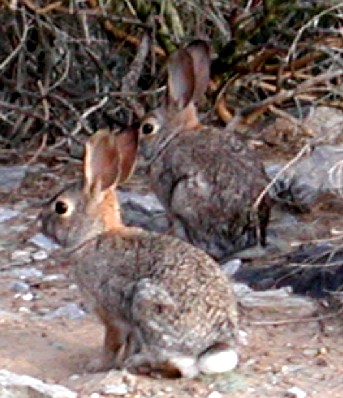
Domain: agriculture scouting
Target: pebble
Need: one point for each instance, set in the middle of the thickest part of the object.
(40, 255)
(54, 278)
(115, 389)
(14, 385)
(43, 242)
(296, 392)
(21, 256)
(215, 394)
(70, 311)
(19, 287)
(11, 177)
(28, 296)
(231, 266)
(311, 352)
(24, 310)
(7, 214)
(95, 395)
(25, 273)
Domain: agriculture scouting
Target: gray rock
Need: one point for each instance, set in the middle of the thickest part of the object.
(315, 176)
(148, 202)
(13, 385)
(143, 211)
(19, 287)
(232, 266)
(115, 389)
(11, 177)
(21, 256)
(7, 214)
(70, 311)
(40, 255)
(43, 242)
(296, 392)
(24, 273)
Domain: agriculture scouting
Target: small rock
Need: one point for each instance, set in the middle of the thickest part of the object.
(21, 256)
(215, 394)
(28, 296)
(13, 385)
(19, 287)
(40, 255)
(95, 395)
(311, 352)
(231, 266)
(24, 310)
(11, 177)
(115, 389)
(24, 273)
(148, 202)
(7, 214)
(54, 277)
(43, 242)
(296, 392)
(70, 311)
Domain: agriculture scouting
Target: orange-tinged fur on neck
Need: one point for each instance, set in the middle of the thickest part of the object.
(109, 210)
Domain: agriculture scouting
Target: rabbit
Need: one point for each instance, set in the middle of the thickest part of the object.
(207, 179)
(167, 307)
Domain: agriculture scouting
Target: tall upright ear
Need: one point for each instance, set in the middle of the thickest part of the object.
(200, 51)
(101, 161)
(181, 80)
(127, 145)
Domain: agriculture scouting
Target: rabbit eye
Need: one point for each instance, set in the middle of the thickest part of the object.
(149, 127)
(61, 207)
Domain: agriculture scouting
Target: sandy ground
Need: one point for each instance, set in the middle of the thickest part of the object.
(301, 348)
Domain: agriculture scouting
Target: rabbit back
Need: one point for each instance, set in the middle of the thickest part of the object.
(209, 183)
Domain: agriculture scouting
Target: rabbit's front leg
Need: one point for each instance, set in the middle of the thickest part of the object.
(119, 343)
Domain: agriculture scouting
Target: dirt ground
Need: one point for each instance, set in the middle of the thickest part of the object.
(293, 353)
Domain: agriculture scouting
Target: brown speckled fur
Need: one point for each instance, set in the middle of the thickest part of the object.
(158, 297)
(207, 178)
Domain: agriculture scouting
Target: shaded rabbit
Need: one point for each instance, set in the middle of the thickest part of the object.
(166, 306)
(206, 177)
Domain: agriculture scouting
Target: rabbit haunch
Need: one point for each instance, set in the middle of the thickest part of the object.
(207, 178)
(166, 306)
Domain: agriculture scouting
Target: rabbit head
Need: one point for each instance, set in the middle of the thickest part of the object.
(87, 209)
(188, 78)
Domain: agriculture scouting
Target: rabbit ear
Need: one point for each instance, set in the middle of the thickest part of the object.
(181, 81)
(127, 144)
(199, 50)
(101, 161)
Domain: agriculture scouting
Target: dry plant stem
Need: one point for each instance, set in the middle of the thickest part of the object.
(306, 26)
(257, 109)
(42, 10)
(16, 51)
(39, 151)
(298, 123)
(45, 102)
(303, 150)
(85, 114)
(296, 320)
(121, 35)
(130, 80)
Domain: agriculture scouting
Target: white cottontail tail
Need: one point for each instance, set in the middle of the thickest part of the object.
(205, 177)
(166, 305)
